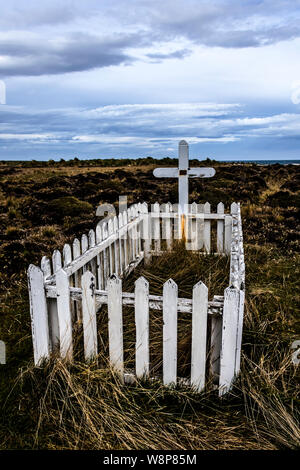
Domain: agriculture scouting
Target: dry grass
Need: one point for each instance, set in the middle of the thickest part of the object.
(84, 406)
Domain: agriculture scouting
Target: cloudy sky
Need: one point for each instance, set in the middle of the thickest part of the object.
(116, 78)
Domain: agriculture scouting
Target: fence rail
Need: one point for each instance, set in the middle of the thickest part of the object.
(74, 285)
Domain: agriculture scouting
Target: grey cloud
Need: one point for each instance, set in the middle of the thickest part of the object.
(179, 54)
(75, 52)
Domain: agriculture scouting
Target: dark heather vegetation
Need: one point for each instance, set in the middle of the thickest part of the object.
(46, 204)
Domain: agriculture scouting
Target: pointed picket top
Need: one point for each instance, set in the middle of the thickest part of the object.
(56, 261)
(46, 266)
(67, 254)
(76, 248)
(234, 208)
(220, 208)
(84, 243)
(129, 215)
(207, 208)
(39, 314)
(98, 232)
(92, 238)
(156, 207)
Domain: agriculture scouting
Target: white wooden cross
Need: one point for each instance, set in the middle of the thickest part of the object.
(183, 173)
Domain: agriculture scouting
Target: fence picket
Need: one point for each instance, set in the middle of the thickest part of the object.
(239, 332)
(220, 229)
(64, 314)
(67, 254)
(46, 266)
(229, 330)
(56, 261)
(207, 228)
(199, 329)
(227, 233)
(105, 257)
(100, 276)
(156, 228)
(39, 315)
(170, 296)
(89, 316)
(116, 247)
(142, 326)
(115, 323)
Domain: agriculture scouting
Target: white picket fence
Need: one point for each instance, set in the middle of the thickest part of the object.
(74, 286)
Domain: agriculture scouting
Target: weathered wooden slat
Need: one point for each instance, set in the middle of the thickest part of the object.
(199, 331)
(115, 323)
(227, 233)
(239, 332)
(46, 266)
(156, 228)
(67, 254)
(84, 249)
(142, 354)
(170, 295)
(39, 315)
(220, 229)
(64, 314)
(56, 261)
(229, 336)
(89, 316)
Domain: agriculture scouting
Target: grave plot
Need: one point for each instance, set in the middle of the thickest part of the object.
(72, 292)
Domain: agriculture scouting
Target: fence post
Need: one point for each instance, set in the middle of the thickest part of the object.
(115, 323)
(229, 339)
(51, 308)
(89, 322)
(199, 329)
(170, 296)
(64, 314)
(142, 326)
(38, 313)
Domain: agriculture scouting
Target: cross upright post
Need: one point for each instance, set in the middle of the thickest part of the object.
(183, 173)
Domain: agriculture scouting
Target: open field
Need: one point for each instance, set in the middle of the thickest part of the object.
(43, 206)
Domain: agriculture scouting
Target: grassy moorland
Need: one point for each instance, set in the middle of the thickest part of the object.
(43, 206)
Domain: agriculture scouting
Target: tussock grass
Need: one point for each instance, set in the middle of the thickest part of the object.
(84, 406)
